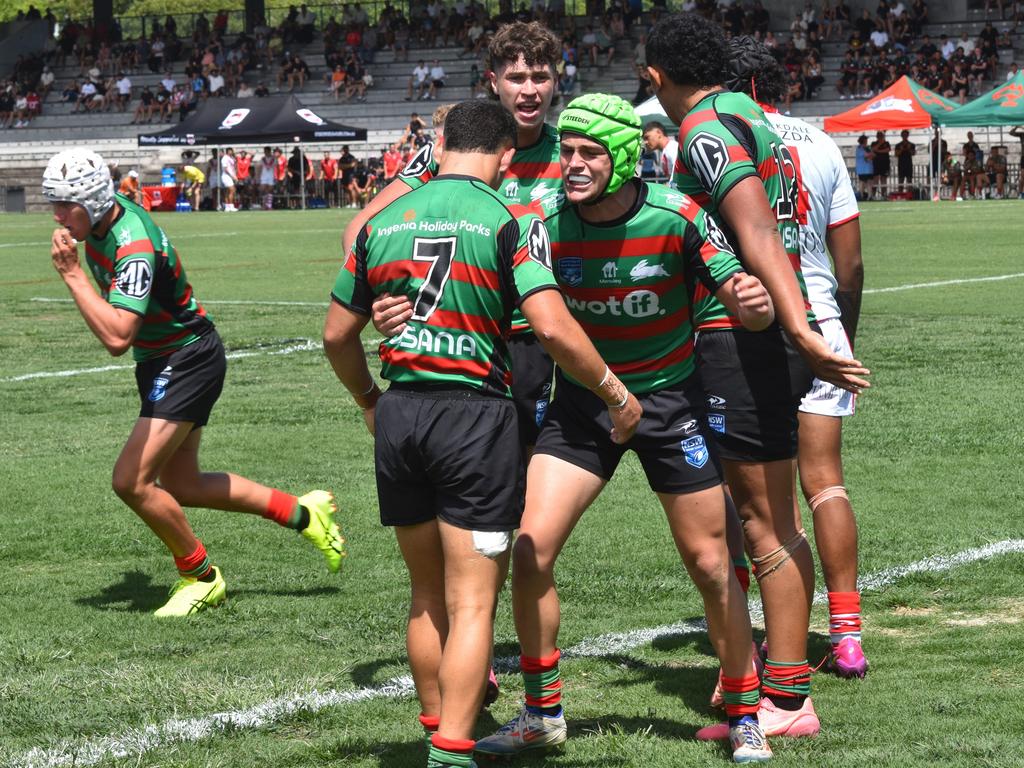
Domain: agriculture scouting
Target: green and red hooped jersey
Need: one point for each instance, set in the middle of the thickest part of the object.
(137, 269)
(454, 248)
(628, 282)
(533, 177)
(724, 139)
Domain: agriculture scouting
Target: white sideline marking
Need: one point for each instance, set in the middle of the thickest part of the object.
(303, 345)
(135, 742)
(245, 302)
(176, 237)
(912, 286)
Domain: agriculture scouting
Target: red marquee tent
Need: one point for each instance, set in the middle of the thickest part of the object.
(904, 104)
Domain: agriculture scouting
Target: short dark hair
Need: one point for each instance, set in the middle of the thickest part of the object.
(479, 126)
(532, 40)
(689, 49)
(755, 72)
(654, 125)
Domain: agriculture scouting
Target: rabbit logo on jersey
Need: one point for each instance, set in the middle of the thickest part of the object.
(160, 383)
(695, 450)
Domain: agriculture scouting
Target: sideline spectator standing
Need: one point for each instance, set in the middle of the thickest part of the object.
(905, 151)
(880, 151)
(864, 166)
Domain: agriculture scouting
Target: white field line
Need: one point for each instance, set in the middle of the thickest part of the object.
(301, 345)
(940, 283)
(246, 302)
(135, 742)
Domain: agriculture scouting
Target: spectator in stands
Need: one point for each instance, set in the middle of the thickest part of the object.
(145, 106)
(849, 76)
(245, 91)
(437, 79)
(664, 147)
(419, 80)
(879, 37)
(567, 79)
(157, 51)
(812, 73)
(45, 82)
(1012, 71)
(70, 93)
(977, 70)
(34, 103)
(162, 104)
(306, 23)
(299, 72)
(262, 91)
(356, 79)
(86, 97)
(959, 84)
(905, 150)
(880, 152)
(918, 16)
(336, 82)
(794, 88)
(216, 82)
(122, 92)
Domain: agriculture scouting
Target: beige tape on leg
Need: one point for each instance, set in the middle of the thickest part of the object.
(832, 492)
(765, 566)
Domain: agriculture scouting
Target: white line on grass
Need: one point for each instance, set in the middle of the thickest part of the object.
(292, 346)
(912, 286)
(176, 237)
(135, 742)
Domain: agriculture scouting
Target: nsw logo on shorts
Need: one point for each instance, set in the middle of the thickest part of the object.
(717, 422)
(159, 390)
(695, 450)
(541, 411)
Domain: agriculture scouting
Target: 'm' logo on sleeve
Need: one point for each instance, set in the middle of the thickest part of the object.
(135, 278)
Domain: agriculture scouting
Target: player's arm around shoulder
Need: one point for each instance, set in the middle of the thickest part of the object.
(115, 327)
(525, 244)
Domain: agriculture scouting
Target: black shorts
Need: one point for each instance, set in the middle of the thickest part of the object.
(184, 385)
(451, 454)
(671, 440)
(532, 368)
(906, 173)
(754, 382)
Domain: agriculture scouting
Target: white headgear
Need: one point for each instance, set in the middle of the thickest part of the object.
(79, 176)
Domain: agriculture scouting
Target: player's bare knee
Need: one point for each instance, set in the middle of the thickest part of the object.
(128, 486)
(708, 569)
(526, 559)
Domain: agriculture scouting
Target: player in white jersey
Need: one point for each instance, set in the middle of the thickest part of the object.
(829, 225)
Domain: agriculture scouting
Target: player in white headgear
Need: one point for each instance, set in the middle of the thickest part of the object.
(145, 303)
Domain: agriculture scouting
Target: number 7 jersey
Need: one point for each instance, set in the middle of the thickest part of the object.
(454, 248)
(723, 140)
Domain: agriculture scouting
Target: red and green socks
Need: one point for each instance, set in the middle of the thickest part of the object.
(843, 616)
(285, 510)
(741, 696)
(449, 753)
(196, 565)
(787, 683)
(543, 684)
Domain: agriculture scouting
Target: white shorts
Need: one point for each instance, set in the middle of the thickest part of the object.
(267, 178)
(827, 399)
(226, 181)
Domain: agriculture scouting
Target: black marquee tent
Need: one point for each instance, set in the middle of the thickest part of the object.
(273, 119)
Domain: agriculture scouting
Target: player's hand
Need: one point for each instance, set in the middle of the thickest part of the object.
(753, 304)
(625, 420)
(845, 372)
(369, 416)
(390, 314)
(64, 252)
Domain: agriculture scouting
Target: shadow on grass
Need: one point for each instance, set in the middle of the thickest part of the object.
(296, 592)
(134, 593)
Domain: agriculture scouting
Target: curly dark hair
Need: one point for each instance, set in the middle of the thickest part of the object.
(755, 71)
(690, 49)
(536, 43)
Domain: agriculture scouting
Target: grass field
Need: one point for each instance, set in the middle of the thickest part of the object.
(308, 662)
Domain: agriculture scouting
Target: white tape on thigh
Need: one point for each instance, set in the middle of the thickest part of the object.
(492, 543)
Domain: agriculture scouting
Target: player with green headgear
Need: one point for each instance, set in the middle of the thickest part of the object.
(629, 256)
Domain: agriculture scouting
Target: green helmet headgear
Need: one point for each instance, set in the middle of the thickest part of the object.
(612, 123)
